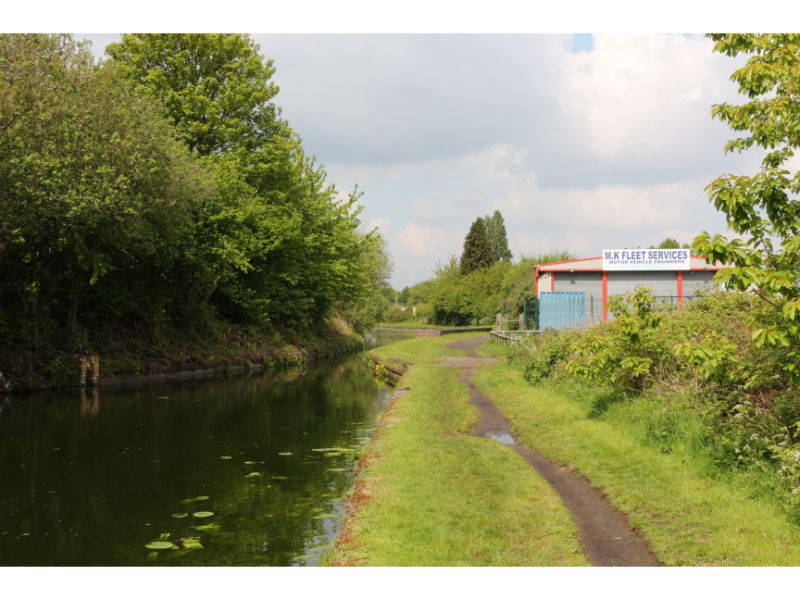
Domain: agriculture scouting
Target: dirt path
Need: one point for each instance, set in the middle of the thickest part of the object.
(605, 533)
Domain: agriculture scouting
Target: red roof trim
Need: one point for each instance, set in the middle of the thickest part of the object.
(563, 262)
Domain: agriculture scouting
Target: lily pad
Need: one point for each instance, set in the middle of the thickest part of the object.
(253, 474)
(331, 454)
(206, 527)
(284, 453)
(324, 449)
(161, 545)
(195, 499)
(280, 477)
(225, 457)
(249, 462)
(324, 516)
(203, 514)
(338, 470)
(191, 543)
(180, 515)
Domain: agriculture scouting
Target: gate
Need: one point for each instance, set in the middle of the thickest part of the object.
(530, 312)
(561, 310)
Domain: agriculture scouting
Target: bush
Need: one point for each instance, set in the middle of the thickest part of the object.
(395, 314)
(539, 354)
(694, 363)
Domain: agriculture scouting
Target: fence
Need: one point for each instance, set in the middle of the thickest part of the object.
(564, 310)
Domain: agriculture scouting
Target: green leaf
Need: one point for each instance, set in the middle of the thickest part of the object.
(161, 545)
(191, 543)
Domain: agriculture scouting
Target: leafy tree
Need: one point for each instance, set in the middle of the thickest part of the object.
(298, 256)
(668, 243)
(764, 206)
(216, 87)
(403, 297)
(496, 234)
(477, 253)
(96, 196)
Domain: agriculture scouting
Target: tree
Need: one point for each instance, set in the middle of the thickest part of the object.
(96, 195)
(216, 88)
(668, 243)
(477, 253)
(298, 255)
(496, 234)
(403, 297)
(763, 207)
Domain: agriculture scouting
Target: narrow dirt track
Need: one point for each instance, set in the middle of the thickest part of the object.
(606, 535)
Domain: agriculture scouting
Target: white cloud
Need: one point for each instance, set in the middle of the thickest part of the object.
(538, 219)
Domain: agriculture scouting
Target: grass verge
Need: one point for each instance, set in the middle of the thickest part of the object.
(690, 513)
(431, 494)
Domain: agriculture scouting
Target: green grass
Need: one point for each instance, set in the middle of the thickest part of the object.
(439, 496)
(690, 513)
(414, 324)
(410, 324)
(418, 350)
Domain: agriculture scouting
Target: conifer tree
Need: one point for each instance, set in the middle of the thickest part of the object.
(477, 253)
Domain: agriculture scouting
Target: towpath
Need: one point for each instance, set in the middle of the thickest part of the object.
(605, 534)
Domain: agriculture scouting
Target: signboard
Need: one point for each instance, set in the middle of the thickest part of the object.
(647, 259)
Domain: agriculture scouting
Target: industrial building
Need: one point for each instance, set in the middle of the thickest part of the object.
(576, 292)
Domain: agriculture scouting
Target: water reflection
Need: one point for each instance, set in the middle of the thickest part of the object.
(90, 407)
(91, 478)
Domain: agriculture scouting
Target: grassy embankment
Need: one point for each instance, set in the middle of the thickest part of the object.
(142, 353)
(431, 494)
(691, 512)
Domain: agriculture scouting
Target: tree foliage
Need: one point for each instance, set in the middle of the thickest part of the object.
(216, 87)
(477, 253)
(161, 187)
(97, 195)
(301, 256)
(763, 207)
(497, 236)
(475, 298)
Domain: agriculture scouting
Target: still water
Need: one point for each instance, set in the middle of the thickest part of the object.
(242, 471)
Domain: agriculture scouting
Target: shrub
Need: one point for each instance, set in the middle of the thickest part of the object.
(395, 314)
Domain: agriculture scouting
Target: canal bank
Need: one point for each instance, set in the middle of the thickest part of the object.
(125, 359)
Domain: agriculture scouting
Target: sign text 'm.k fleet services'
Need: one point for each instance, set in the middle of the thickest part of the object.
(647, 259)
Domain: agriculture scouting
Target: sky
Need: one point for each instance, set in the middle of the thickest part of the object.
(581, 141)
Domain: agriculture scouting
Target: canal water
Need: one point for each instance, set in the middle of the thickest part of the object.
(241, 471)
